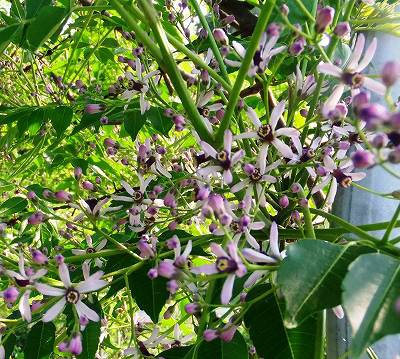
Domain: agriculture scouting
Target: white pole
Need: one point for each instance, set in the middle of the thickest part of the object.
(360, 207)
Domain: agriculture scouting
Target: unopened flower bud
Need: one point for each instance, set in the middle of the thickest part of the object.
(342, 29)
(220, 36)
(390, 73)
(324, 18)
(284, 201)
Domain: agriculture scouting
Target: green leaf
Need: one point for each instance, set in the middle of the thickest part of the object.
(33, 6)
(104, 55)
(370, 292)
(175, 353)
(160, 122)
(45, 24)
(235, 349)
(61, 118)
(110, 42)
(9, 345)
(133, 122)
(311, 276)
(274, 340)
(91, 335)
(150, 295)
(13, 205)
(7, 34)
(40, 341)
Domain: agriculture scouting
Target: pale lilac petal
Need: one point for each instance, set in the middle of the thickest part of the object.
(227, 175)
(368, 55)
(208, 149)
(122, 198)
(291, 132)
(274, 241)
(357, 176)
(251, 240)
(83, 310)
(63, 272)
(49, 290)
(321, 185)
(254, 277)
(187, 250)
(101, 245)
(329, 69)
(227, 288)
(283, 148)
(205, 171)
(276, 113)
(24, 306)
(357, 52)
(15, 275)
(217, 250)
(21, 264)
(338, 311)
(239, 186)
(333, 99)
(246, 135)
(237, 157)
(78, 252)
(272, 166)
(91, 284)
(268, 178)
(262, 157)
(374, 86)
(257, 257)
(253, 117)
(241, 51)
(205, 269)
(40, 273)
(128, 188)
(232, 63)
(228, 141)
(329, 163)
(257, 226)
(332, 192)
(205, 99)
(54, 311)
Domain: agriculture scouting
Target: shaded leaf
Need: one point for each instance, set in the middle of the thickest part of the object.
(160, 122)
(91, 334)
(235, 349)
(370, 291)
(61, 118)
(104, 55)
(133, 122)
(175, 353)
(13, 205)
(40, 341)
(274, 340)
(32, 7)
(311, 275)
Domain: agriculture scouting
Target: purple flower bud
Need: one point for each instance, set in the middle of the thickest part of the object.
(173, 242)
(83, 320)
(75, 345)
(295, 216)
(38, 257)
(373, 114)
(104, 120)
(10, 295)
(63, 347)
(220, 36)
(210, 334)
(227, 335)
(59, 258)
(145, 249)
(324, 18)
(168, 112)
(245, 220)
(303, 202)
(31, 195)
(172, 286)
(228, 20)
(172, 225)
(304, 112)
(109, 142)
(36, 218)
(192, 308)
(122, 59)
(344, 145)
(158, 189)
(97, 180)
(273, 29)
(216, 202)
(166, 269)
(77, 172)
(88, 185)
(342, 29)
(248, 168)
(47, 194)
(362, 159)
(36, 304)
(220, 114)
(94, 108)
(321, 171)
(296, 187)
(212, 227)
(225, 219)
(63, 196)
(161, 150)
(360, 100)
(284, 10)
(169, 200)
(390, 73)
(380, 140)
(297, 47)
(203, 193)
(152, 273)
(284, 201)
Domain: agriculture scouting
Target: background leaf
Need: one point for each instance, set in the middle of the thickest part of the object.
(310, 285)
(40, 341)
(235, 349)
(371, 289)
(272, 339)
(13, 205)
(61, 118)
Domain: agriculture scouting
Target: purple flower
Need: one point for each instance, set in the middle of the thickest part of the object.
(10, 295)
(38, 257)
(297, 47)
(71, 294)
(225, 159)
(91, 249)
(36, 218)
(391, 73)
(220, 36)
(324, 18)
(227, 262)
(211, 334)
(342, 29)
(351, 75)
(63, 196)
(362, 159)
(94, 108)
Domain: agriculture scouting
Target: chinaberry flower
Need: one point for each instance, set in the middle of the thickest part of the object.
(140, 85)
(339, 175)
(91, 249)
(267, 134)
(227, 262)
(71, 294)
(98, 211)
(350, 75)
(263, 55)
(171, 268)
(225, 159)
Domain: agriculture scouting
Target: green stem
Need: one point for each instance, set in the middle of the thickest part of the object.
(251, 50)
(214, 46)
(391, 225)
(174, 73)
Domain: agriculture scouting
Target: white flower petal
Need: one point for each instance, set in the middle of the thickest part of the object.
(54, 311)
